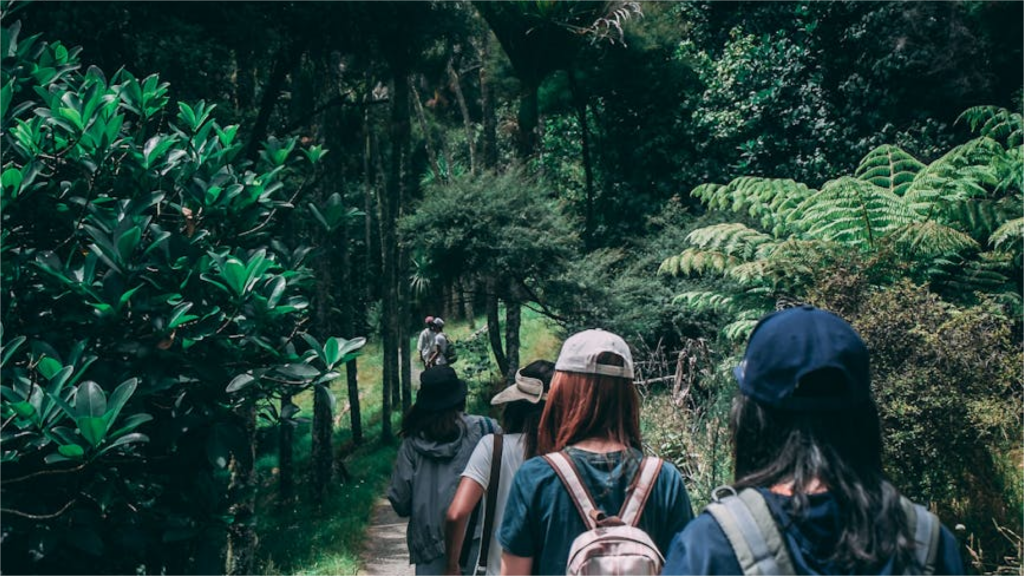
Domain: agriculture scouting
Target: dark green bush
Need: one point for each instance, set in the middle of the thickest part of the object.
(148, 312)
(947, 381)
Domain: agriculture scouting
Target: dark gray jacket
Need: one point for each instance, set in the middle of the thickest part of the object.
(424, 481)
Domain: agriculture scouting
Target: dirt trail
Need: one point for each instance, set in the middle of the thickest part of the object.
(385, 552)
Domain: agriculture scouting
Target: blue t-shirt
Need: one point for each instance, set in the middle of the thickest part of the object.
(541, 520)
(703, 548)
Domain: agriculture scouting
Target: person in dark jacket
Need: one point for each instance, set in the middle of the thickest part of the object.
(807, 446)
(438, 438)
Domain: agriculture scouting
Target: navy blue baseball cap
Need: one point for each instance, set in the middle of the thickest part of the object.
(788, 346)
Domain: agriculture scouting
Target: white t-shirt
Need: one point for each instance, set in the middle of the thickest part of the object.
(478, 469)
(441, 341)
(425, 344)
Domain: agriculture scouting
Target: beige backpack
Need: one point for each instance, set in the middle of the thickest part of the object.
(611, 544)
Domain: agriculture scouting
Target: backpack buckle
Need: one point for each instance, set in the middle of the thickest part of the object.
(716, 494)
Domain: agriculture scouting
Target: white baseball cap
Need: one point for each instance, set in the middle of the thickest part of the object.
(579, 354)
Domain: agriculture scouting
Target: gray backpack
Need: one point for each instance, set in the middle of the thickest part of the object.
(761, 549)
(611, 544)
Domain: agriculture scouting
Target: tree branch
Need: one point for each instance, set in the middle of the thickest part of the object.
(40, 516)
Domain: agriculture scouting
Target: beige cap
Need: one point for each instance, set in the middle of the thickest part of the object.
(579, 354)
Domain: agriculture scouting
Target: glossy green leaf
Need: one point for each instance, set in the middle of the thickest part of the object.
(72, 451)
(93, 429)
(48, 366)
(239, 382)
(90, 400)
(118, 399)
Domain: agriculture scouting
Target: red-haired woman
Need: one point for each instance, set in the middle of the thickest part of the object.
(592, 417)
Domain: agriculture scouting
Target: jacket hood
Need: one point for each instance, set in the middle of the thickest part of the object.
(439, 450)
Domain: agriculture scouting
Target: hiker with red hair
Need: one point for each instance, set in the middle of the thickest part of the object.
(593, 474)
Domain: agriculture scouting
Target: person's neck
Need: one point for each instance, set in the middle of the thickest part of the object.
(600, 445)
(815, 486)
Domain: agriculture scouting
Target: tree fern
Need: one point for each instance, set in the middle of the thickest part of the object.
(995, 122)
(698, 261)
(987, 272)
(769, 200)
(890, 168)
(852, 212)
(1009, 235)
(734, 239)
(930, 239)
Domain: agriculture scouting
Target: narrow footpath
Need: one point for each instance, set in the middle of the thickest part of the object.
(385, 552)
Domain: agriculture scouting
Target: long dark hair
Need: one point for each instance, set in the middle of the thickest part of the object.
(582, 406)
(522, 416)
(439, 426)
(841, 449)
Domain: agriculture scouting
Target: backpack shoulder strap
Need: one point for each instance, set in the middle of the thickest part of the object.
(492, 499)
(927, 529)
(640, 490)
(755, 538)
(563, 466)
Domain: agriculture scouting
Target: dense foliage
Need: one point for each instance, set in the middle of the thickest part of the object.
(149, 308)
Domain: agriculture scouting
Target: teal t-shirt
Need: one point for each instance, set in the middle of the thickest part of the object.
(541, 521)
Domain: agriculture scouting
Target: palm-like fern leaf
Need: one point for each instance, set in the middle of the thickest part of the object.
(698, 261)
(987, 272)
(995, 122)
(853, 212)
(890, 168)
(931, 239)
(1009, 235)
(770, 200)
(731, 238)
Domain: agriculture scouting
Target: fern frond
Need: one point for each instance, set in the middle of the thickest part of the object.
(739, 330)
(931, 240)
(890, 168)
(853, 212)
(979, 218)
(1009, 235)
(731, 238)
(987, 272)
(770, 200)
(706, 301)
(995, 122)
(697, 261)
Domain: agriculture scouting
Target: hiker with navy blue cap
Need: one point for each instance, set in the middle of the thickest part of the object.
(809, 495)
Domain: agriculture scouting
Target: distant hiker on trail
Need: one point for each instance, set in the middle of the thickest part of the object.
(438, 439)
(437, 355)
(425, 343)
(809, 496)
(590, 435)
(493, 465)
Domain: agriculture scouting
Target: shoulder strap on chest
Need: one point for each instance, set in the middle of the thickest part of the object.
(753, 534)
(640, 490)
(926, 528)
(566, 470)
(492, 499)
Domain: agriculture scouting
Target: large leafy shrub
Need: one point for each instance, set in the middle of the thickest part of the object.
(149, 308)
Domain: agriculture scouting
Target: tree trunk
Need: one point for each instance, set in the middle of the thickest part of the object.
(352, 375)
(490, 122)
(288, 57)
(321, 456)
(580, 102)
(494, 326)
(373, 249)
(466, 289)
(404, 294)
(428, 141)
(528, 119)
(467, 122)
(242, 493)
(513, 320)
(392, 331)
(286, 453)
